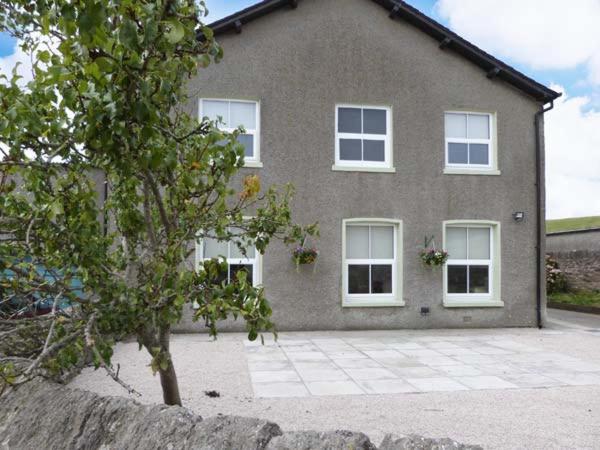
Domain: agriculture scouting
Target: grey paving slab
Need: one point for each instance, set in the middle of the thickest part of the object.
(407, 346)
(274, 376)
(334, 388)
(384, 354)
(323, 375)
(365, 363)
(397, 386)
(371, 374)
(416, 371)
(438, 361)
(485, 382)
(460, 370)
(532, 380)
(576, 379)
(437, 384)
(307, 356)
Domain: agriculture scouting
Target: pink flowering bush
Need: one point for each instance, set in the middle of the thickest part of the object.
(556, 280)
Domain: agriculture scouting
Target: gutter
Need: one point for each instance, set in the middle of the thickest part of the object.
(541, 219)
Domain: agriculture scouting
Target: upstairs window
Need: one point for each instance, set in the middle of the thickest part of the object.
(363, 136)
(233, 114)
(469, 140)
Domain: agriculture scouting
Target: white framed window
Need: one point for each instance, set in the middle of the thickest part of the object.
(234, 114)
(470, 143)
(363, 138)
(372, 262)
(472, 272)
(251, 262)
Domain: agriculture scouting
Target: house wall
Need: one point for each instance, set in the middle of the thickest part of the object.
(300, 63)
(578, 255)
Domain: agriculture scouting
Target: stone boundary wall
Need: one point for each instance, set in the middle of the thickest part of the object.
(48, 416)
(578, 255)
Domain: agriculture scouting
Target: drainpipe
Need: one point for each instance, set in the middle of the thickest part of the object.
(539, 202)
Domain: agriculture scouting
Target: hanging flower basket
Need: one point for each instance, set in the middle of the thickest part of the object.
(431, 256)
(304, 255)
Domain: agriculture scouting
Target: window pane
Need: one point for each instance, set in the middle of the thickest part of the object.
(358, 279)
(456, 242)
(456, 125)
(214, 248)
(349, 120)
(235, 252)
(479, 126)
(247, 140)
(243, 114)
(457, 279)
(479, 243)
(479, 277)
(350, 149)
(381, 279)
(357, 242)
(382, 242)
(374, 151)
(235, 268)
(458, 153)
(479, 154)
(374, 121)
(215, 108)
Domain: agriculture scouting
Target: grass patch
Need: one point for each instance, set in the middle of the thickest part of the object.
(574, 223)
(585, 298)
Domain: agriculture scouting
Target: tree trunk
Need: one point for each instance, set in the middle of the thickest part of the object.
(170, 387)
(153, 338)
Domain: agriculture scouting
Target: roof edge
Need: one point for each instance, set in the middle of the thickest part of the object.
(400, 9)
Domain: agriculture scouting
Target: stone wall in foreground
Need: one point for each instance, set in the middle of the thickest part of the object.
(49, 416)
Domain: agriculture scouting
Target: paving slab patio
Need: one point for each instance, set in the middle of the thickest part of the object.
(298, 365)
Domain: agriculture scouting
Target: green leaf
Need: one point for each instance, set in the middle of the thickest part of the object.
(128, 34)
(176, 31)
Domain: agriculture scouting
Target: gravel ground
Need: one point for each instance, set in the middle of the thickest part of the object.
(560, 417)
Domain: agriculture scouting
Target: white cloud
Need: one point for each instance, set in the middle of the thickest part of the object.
(544, 34)
(7, 63)
(572, 158)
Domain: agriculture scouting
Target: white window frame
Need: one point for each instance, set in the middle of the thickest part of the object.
(493, 297)
(248, 162)
(374, 300)
(474, 169)
(365, 166)
(255, 262)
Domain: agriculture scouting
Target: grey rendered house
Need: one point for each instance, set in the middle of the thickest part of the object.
(392, 128)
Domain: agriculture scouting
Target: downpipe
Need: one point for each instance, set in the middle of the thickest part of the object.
(541, 220)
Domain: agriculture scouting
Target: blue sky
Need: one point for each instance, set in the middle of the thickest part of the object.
(557, 46)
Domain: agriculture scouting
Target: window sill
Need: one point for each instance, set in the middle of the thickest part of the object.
(366, 303)
(253, 164)
(467, 303)
(338, 168)
(457, 171)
